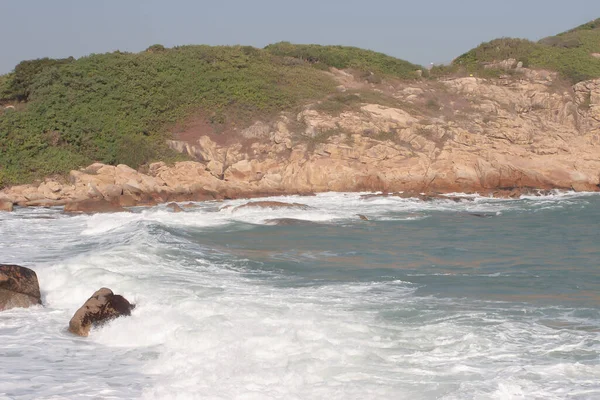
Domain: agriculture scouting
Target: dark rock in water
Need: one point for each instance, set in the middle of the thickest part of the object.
(93, 206)
(429, 196)
(19, 287)
(102, 307)
(456, 199)
(6, 205)
(45, 203)
(439, 196)
(174, 207)
(513, 193)
(289, 222)
(363, 217)
(517, 192)
(39, 217)
(273, 205)
(482, 215)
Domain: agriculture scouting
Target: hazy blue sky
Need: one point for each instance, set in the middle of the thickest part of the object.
(419, 31)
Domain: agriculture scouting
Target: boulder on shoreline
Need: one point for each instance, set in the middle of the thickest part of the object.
(174, 207)
(19, 287)
(6, 205)
(102, 307)
(44, 203)
(93, 206)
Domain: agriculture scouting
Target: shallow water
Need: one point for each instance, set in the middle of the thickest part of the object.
(423, 301)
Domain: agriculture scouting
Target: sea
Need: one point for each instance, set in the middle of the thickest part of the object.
(482, 298)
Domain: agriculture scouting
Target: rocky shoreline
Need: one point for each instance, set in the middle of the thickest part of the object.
(105, 188)
(494, 137)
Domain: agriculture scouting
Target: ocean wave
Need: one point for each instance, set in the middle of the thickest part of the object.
(231, 307)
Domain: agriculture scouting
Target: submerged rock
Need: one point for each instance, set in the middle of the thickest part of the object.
(93, 206)
(174, 207)
(19, 287)
(272, 204)
(482, 215)
(289, 222)
(428, 196)
(102, 307)
(431, 196)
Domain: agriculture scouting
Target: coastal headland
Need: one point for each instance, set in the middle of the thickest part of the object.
(300, 119)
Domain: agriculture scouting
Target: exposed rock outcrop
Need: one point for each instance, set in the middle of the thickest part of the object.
(93, 206)
(102, 307)
(531, 131)
(174, 207)
(19, 287)
(6, 205)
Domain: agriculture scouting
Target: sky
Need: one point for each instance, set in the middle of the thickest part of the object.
(420, 31)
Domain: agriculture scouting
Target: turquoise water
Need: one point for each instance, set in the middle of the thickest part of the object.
(471, 300)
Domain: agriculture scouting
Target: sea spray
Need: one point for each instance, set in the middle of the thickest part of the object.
(425, 300)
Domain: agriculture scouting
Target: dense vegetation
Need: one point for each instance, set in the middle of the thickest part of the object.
(569, 53)
(117, 107)
(18, 85)
(343, 57)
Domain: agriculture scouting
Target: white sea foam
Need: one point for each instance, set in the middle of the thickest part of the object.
(325, 207)
(208, 326)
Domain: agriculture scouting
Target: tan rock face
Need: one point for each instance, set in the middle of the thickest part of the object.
(400, 117)
(6, 205)
(93, 206)
(258, 130)
(452, 135)
(174, 207)
(18, 287)
(102, 307)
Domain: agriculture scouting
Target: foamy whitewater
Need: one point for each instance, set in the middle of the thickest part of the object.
(483, 299)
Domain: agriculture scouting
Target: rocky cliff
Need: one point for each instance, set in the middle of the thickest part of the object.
(528, 129)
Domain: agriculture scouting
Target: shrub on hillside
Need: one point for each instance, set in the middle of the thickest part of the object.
(118, 107)
(343, 57)
(156, 48)
(568, 53)
(24, 75)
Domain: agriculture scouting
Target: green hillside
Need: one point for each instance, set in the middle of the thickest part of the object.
(345, 57)
(569, 53)
(118, 107)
